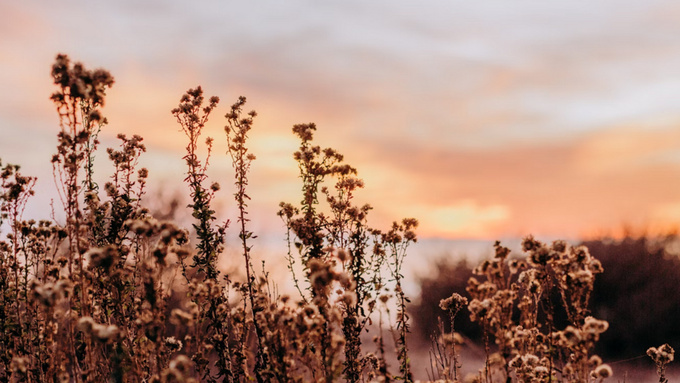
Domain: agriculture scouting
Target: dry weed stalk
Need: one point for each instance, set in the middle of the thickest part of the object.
(96, 298)
(661, 357)
(508, 302)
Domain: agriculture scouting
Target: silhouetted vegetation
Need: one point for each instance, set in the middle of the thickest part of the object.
(639, 286)
(639, 290)
(115, 294)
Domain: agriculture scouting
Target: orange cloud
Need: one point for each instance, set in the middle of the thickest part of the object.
(558, 189)
(478, 131)
(465, 218)
(629, 146)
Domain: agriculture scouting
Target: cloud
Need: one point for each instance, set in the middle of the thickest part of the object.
(464, 218)
(545, 116)
(630, 146)
(549, 188)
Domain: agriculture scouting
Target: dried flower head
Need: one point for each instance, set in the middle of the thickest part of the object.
(602, 371)
(453, 303)
(662, 355)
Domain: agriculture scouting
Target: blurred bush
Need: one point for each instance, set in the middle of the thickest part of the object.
(446, 279)
(638, 293)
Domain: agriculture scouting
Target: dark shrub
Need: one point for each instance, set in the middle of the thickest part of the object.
(638, 294)
(448, 278)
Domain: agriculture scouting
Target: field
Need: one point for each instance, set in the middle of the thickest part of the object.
(114, 294)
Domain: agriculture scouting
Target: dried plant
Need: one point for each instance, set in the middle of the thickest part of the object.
(443, 354)
(514, 296)
(661, 357)
(97, 297)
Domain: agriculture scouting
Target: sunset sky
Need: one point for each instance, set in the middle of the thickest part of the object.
(481, 119)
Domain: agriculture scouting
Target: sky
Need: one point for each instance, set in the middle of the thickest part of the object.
(483, 120)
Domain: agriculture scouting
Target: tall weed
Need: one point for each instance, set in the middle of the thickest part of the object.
(114, 294)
